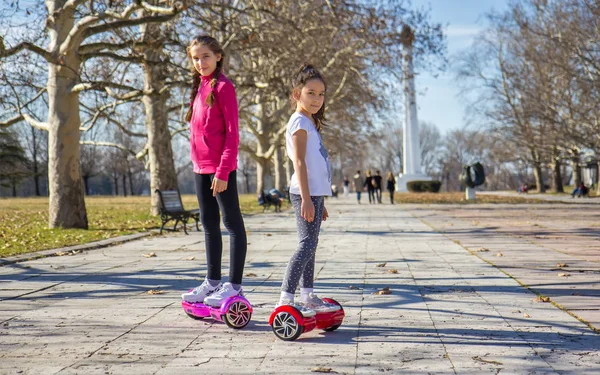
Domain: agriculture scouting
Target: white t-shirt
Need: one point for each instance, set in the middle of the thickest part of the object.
(316, 159)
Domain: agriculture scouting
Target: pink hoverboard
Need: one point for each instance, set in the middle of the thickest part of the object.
(288, 323)
(234, 311)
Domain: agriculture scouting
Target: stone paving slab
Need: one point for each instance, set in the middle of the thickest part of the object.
(450, 311)
(498, 237)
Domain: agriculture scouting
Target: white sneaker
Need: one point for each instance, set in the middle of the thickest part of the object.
(315, 303)
(306, 312)
(199, 293)
(222, 294)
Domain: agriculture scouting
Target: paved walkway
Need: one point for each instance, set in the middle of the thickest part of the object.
(450, 312)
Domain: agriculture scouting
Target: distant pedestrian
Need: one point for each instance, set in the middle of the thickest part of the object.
(370, 186)
(377, 179)
(358, 182)
(391, 186)
(346, 186)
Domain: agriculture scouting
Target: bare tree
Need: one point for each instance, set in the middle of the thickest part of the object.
(74, 28)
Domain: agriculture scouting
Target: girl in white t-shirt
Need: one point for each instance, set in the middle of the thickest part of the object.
(310, 184)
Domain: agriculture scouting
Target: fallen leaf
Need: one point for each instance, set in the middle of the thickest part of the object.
(155, 291)
(150, 255)
(499, 255)
(479, 359)
(563, 274)
(381, 264)
(250, 274)
(322, 369)
(190, 258)
(268, 234)
(62, 253)
(561, 265)
(383, 291)
(525, 315)
(482, 249)
(541, 299)
(392, 271)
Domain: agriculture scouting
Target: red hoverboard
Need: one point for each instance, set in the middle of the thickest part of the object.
(288, 323)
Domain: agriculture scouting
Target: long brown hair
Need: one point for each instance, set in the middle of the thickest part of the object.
(215, 47)
(305, 74)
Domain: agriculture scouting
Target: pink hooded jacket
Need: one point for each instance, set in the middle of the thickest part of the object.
(214, 134)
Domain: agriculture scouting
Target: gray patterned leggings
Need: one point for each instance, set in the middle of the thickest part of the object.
(301, 268)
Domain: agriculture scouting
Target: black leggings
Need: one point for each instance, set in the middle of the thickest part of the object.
(228, 203)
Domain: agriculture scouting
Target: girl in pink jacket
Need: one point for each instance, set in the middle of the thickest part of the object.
(214, 141)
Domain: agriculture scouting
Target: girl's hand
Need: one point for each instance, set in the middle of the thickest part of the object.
(325, 213)
(307, 210)
(218, 186)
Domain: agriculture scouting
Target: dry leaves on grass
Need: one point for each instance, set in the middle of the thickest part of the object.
(383, 291)
(392, 271)
(63, 253)
(149, 255)
(381, 264)
(564, 274)
(156, 291)
(541, 299)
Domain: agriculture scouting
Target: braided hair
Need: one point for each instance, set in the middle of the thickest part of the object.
(303, 75)
(215, 47)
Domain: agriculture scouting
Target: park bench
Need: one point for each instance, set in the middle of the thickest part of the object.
(171, 208)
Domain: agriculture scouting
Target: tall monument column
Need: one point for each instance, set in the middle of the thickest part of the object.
(411, 150)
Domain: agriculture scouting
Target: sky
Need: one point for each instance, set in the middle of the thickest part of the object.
(437, 98)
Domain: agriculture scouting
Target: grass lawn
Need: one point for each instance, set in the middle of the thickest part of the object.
(452, 198)
(24, 221)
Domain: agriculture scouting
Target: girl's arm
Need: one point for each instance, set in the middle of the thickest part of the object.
(299, 139)
(229, 107)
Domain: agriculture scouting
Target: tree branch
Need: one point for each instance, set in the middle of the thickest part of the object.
(108, 144)
(25, 45)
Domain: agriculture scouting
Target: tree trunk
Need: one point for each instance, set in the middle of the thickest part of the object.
(539, 177)
(598, 178)
(34, 156)
(163, 175)
(576, 171)
(263, 165)
(66, 203)
(86, 184)
(130, 181)
(557, 184)
(262, 170)
(538, 172)
(124, 179)
(116, 181)
(279, 161)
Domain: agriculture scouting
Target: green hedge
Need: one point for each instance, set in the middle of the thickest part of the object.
(424, 186)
